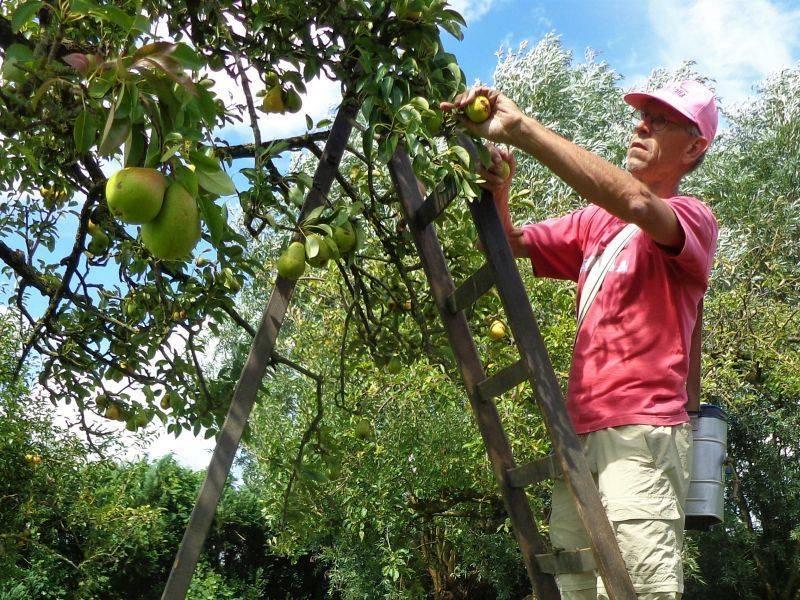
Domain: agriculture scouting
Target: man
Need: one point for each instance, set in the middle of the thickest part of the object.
(627, 386)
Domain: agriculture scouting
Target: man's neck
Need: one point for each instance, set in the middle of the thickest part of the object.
(663, 188)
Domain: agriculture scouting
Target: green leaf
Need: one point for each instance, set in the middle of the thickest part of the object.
(135, 147)
(99, 86)
(188, 57)
(114, 135)
(84, 131)
(323, 228)
(386, 87)
(312, 246)
(214, 218)
(296, 196)
(462, 154)
(169, 152)
(484, 155)
(24, 13)
(314, 215)
(204, 162)
(216, 182)
(455, 71)
(187, 178)
(453, 29)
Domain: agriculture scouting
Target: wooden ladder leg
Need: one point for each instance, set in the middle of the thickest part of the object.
(567, 446)
(498, 449)
(244, 393)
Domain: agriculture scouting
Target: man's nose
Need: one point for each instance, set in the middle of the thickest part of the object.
(641, 127)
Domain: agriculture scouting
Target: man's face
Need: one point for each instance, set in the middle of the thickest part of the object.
(659, 144)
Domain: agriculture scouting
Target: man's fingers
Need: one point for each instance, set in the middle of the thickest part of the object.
(465, 98)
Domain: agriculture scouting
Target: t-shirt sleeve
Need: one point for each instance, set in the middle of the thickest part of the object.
(556, 246)
(700, 233)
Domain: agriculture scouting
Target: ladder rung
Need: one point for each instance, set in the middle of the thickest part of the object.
(480, 282)
(436, 202)
(534, 472)
(507, 379)
(567, 561)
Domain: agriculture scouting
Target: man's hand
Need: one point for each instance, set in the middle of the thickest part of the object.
(499, 183)
(504, 118)
(496, 179)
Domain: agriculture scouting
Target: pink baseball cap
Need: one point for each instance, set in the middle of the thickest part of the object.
(690, 98)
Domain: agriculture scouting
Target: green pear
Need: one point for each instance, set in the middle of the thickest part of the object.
(394, 365)
(505, 170)
(345, 237)
(292, 101)
(363, 429)
(135, 194)
(273, 101)
(292, 263)
(174, 233)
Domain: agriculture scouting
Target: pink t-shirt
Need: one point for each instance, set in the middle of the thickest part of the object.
(631, 356)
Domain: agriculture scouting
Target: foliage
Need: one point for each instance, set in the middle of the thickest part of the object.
(380, 475)
(106, 82)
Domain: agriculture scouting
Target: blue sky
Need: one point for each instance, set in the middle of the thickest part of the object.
(735, 42)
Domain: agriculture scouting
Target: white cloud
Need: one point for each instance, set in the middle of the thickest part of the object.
(735, 42)
(153, 442)
(472, 10)
(322, 95)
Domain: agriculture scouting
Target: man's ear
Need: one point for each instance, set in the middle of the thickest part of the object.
(695, 150)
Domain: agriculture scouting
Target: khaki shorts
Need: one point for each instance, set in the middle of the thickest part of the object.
(643, 473)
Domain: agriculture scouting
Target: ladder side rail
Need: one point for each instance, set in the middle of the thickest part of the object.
(566, 444)
(497, 446)
(252, 373)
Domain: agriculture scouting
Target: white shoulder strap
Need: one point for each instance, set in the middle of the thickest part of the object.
(600, 267)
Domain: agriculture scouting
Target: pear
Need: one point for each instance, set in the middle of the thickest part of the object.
(114, 413)
(100, 242)
(363, 429)
(292, 263)
(292, 101)
(345, 237)
(394, 365)
(174, 233)
(479, 109)
(505, 170)
(135, 194)
(497, 330)
(273, 101)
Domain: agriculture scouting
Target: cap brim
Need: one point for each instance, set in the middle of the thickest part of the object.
(638, 99)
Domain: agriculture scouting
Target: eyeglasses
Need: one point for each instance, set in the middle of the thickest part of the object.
(659, 122)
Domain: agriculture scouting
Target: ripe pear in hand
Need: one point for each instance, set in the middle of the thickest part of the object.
(505, 169)
(479, 109)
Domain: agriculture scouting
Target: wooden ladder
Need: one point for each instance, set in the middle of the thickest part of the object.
(568, 461)
(500, 270)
